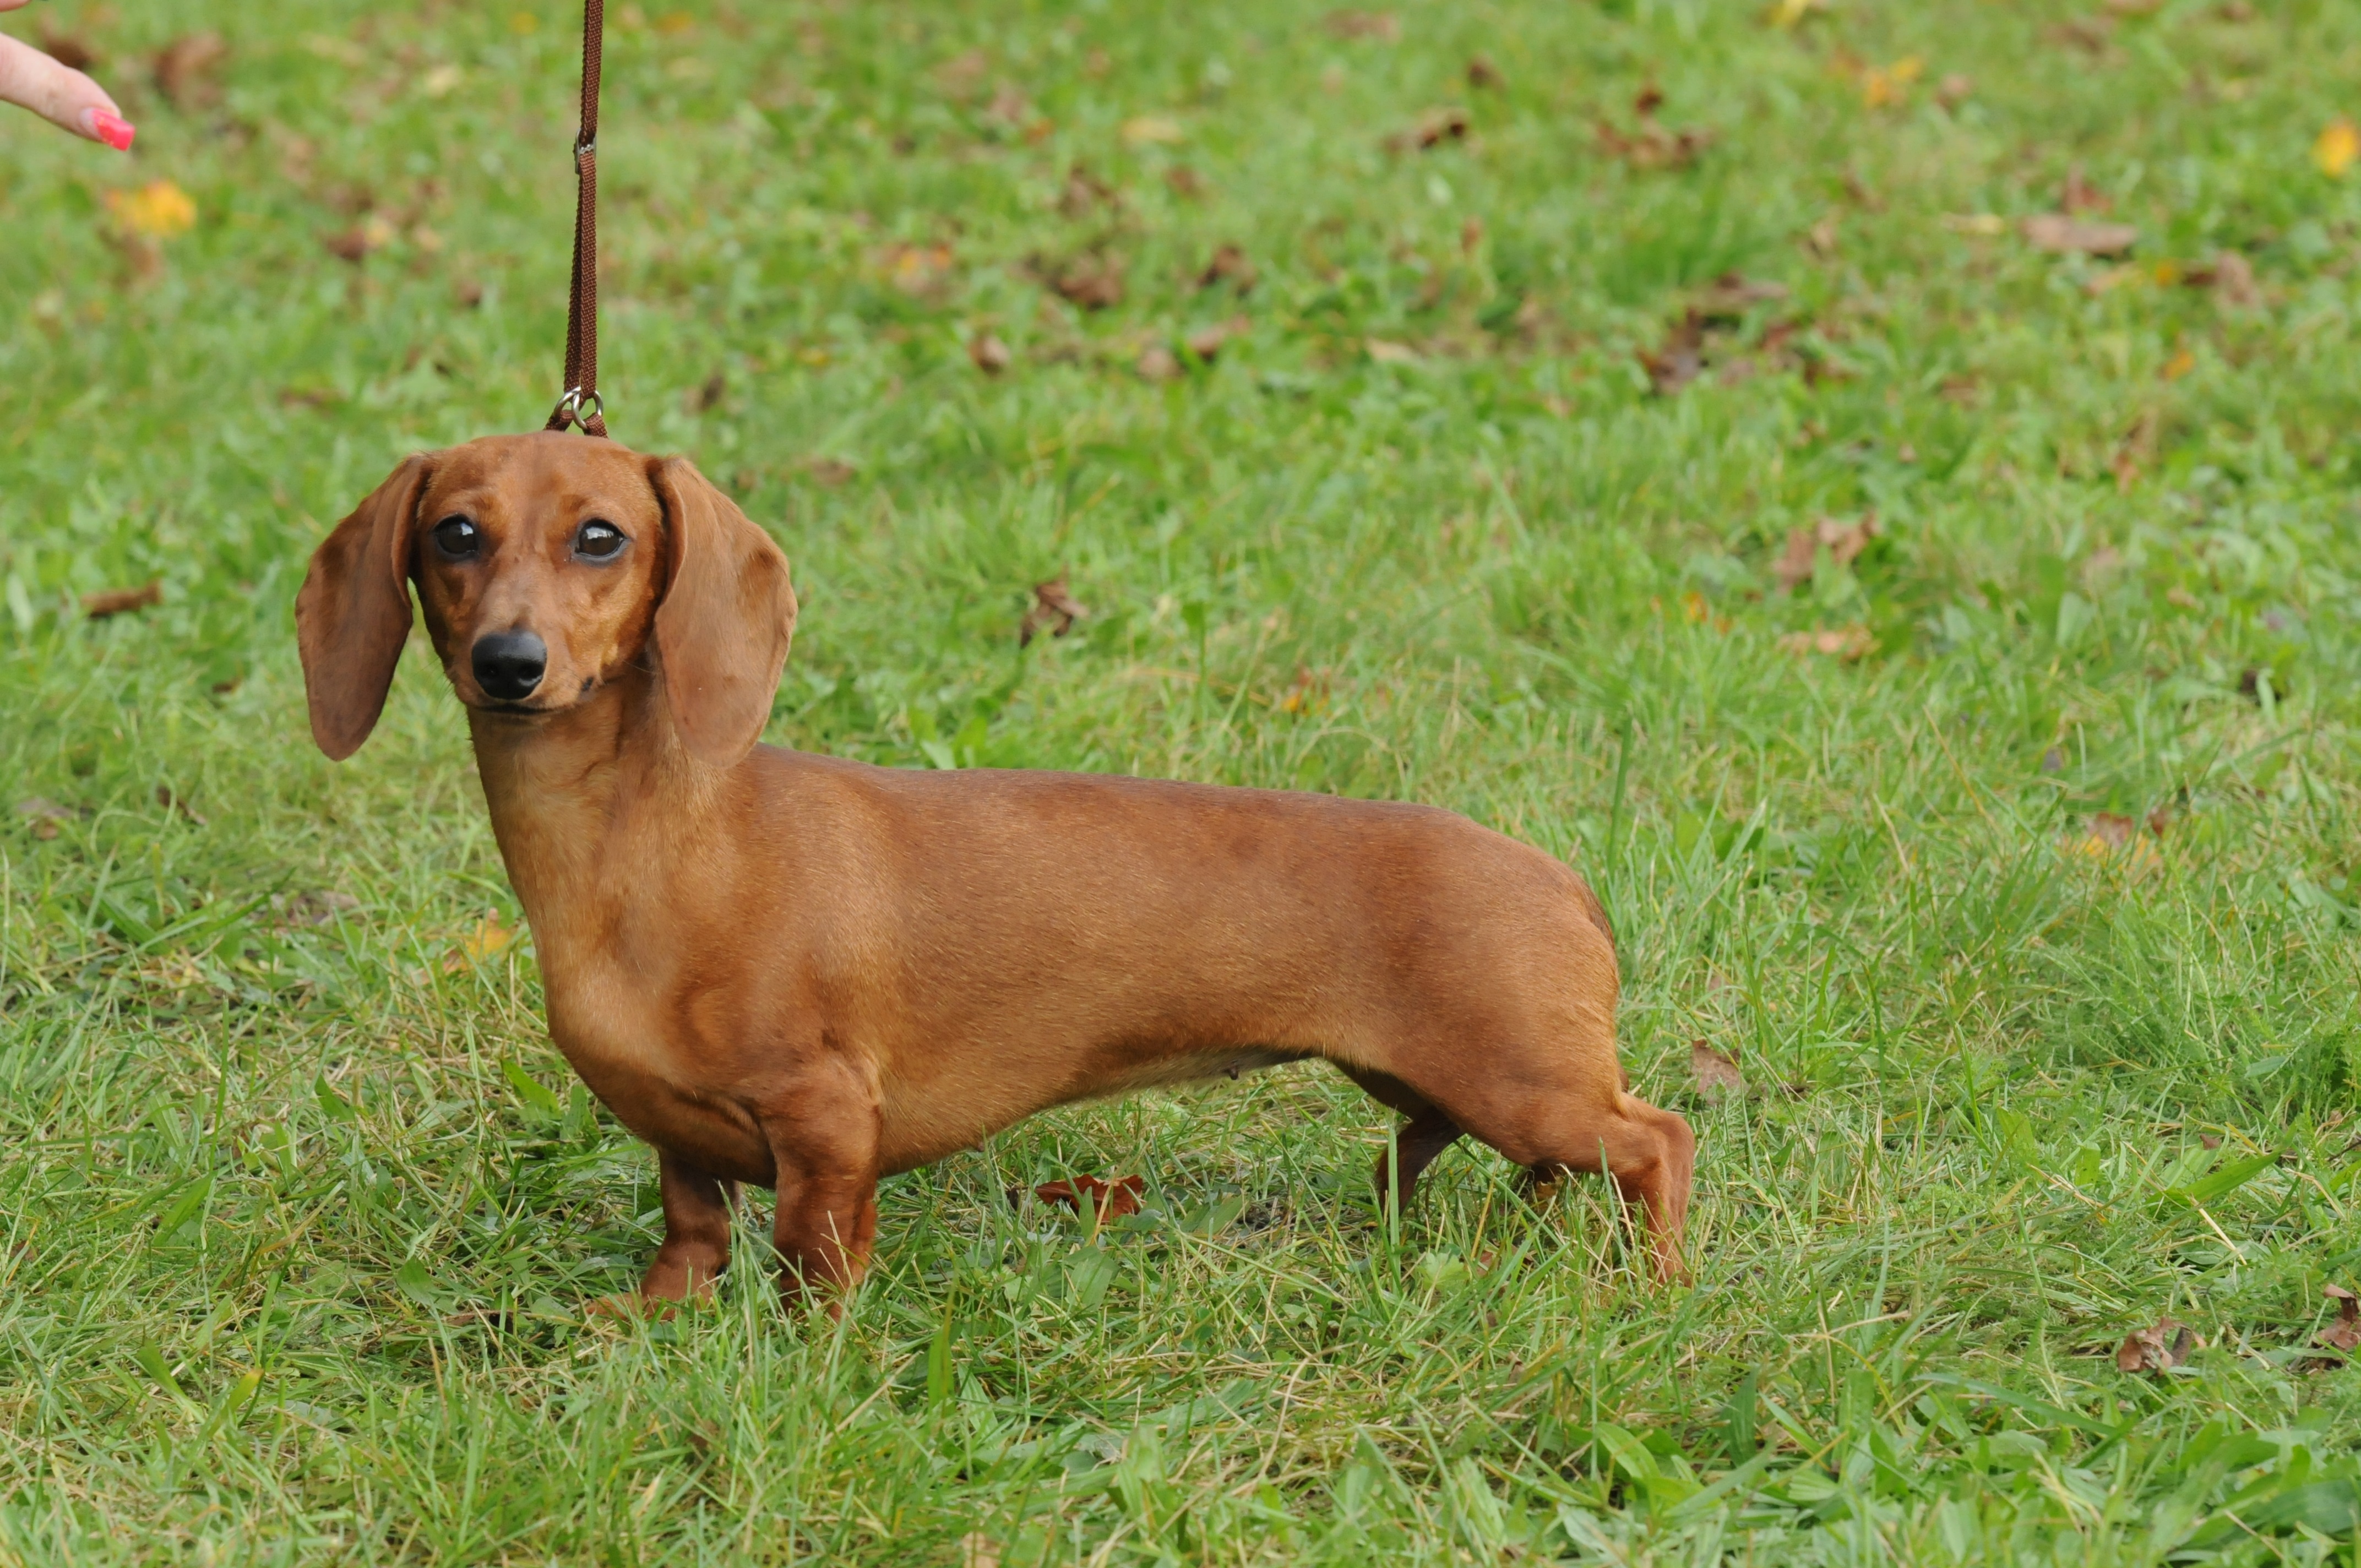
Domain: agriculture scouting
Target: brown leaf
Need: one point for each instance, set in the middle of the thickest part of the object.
(171, 801)
(118, 601)
(1483, 76)
(487, 938)
(1186, 182)
(1849, 643)
(1157, 362)
(2113, 830)
(2088, 34)
(467, 292)
(1207, 341)
(1382, 25)
(2167, 1345)
(1954, 90)
(1229, 266)
(1650, 99)
(828, 472)
(1431, 129)
(1727, 296)
(921, 271)
(2234, 281)
(1820, 239)
(988, 353)
(185, 67)
(67, 50)
(1093, 280)
(1009, 106)
(2056, 232)
(1717, 1075)
(1844, 540)
(43, 815)
(1053, 608)
(1678, 359)
(1112, 1200)
(2344, 1333)
(2079, 195)
(348, 243)
(1084, 192)
(1655, 147)
(706, 396)
(2209, 1140)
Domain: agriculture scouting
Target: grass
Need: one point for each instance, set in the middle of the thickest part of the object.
(299, 1208)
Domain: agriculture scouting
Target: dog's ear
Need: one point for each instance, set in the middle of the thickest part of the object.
(728, 614)
(353, 613)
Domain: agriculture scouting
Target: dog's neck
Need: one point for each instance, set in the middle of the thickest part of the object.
(562, 786)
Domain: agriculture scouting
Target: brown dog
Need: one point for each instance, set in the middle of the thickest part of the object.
(810, 973)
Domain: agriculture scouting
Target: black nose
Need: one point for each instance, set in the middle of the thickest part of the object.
(509, 664)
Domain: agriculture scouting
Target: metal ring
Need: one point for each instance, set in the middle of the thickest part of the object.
(581, 147)
(572, 406)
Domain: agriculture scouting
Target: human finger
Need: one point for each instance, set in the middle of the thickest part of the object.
(60, 95)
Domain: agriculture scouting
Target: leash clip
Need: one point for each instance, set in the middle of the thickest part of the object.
(585, 143)
(578, 407)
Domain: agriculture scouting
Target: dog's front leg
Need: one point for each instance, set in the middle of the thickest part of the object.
(696, 1232)
(824, 1138)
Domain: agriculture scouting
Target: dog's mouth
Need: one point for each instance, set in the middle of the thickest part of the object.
(540, 704)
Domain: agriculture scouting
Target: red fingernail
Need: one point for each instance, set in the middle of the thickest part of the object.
(113, 129)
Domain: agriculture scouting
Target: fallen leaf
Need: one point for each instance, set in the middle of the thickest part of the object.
(2058, 232)
(67, 50)
(441, 81)
(119, 602)
(185, 67)
(1093, 280)
(2232, 279)
(1882, 86)
(1009, 106)
(1186, 182)
(2088, 34)
(1053, 608)
(1849, 643)
(2079, 195)
(1229, 266)
(707, 395)
(1084, 192)
(1157, 362)
(1386, 353)
(2180, 365)
(1431, 129)
(1820, 239)
(921, 271)
(2334, 150)
(1655, 147)
(988, 353)
(1955, 90)
(2209, 1141)
(1382, 25)
(355, 243)
(1308, 695)
(2113, 830)
(1207, 341)
(1717, 1075)
(158, 209)
(1142, 131)
(489, 938)
(171, 800)
(1675, 362)
(1647, 101)
(1483, 76)
(828, 472)
(467, 292)
(1843, 541)
(2167, 1345)
(313, 908)
(1112, 1200)
(43, 815)
(2344, 1333)
(1727, 296)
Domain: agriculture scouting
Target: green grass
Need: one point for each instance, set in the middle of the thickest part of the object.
(297, 1219)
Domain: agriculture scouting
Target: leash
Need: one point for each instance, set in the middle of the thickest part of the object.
(581, 405)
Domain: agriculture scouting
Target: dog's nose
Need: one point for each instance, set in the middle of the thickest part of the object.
(509, 664)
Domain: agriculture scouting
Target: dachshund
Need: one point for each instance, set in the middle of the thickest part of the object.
(808, 973)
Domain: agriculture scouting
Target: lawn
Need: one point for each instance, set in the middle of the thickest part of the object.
(1652, 428)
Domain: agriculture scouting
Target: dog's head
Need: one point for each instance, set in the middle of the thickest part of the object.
(547, 565)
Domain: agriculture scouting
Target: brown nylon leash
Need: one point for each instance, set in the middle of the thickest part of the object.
(581, 405)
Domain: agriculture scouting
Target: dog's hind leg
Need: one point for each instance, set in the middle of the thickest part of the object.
(1427, 1133)
(696, 1232)
(823, 1136)
(1648, 1153)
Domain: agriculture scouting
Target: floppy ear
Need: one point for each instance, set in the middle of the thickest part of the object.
(353, 613)
(728, 614)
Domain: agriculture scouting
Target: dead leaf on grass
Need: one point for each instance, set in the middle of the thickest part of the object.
(1157, 362)
(1717, 1075)
(707, 395)
(121, 601)
(2077, 194)
(1448, 123)
(2344, 1333)
(1386, 353)
(320, 908)
(1675, 362)
(1084, 192)
(1483, 76)
(1727, 296)
(1207, 341)
(2231, 277)
(988, 354)
(1054, 611)
(2157, 1349)
(1186, 182)
(67, 50)
(173, 801)
(487, 938)
(921, 271)
(185, 67)
(1093, 280)
(158, 209)
(1382, 25)
(828, 472)
(1647, 101)
(1954, 90)
(1112, 1200)
(1655, 147)
(1844, 542)
(1851, 643)
(2069, 235)
(1229, 266)
(1158, 130)
(43, 817)
(2336, 146)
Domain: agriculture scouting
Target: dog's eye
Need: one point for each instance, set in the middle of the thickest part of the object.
(458, 539)
(597, 540)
